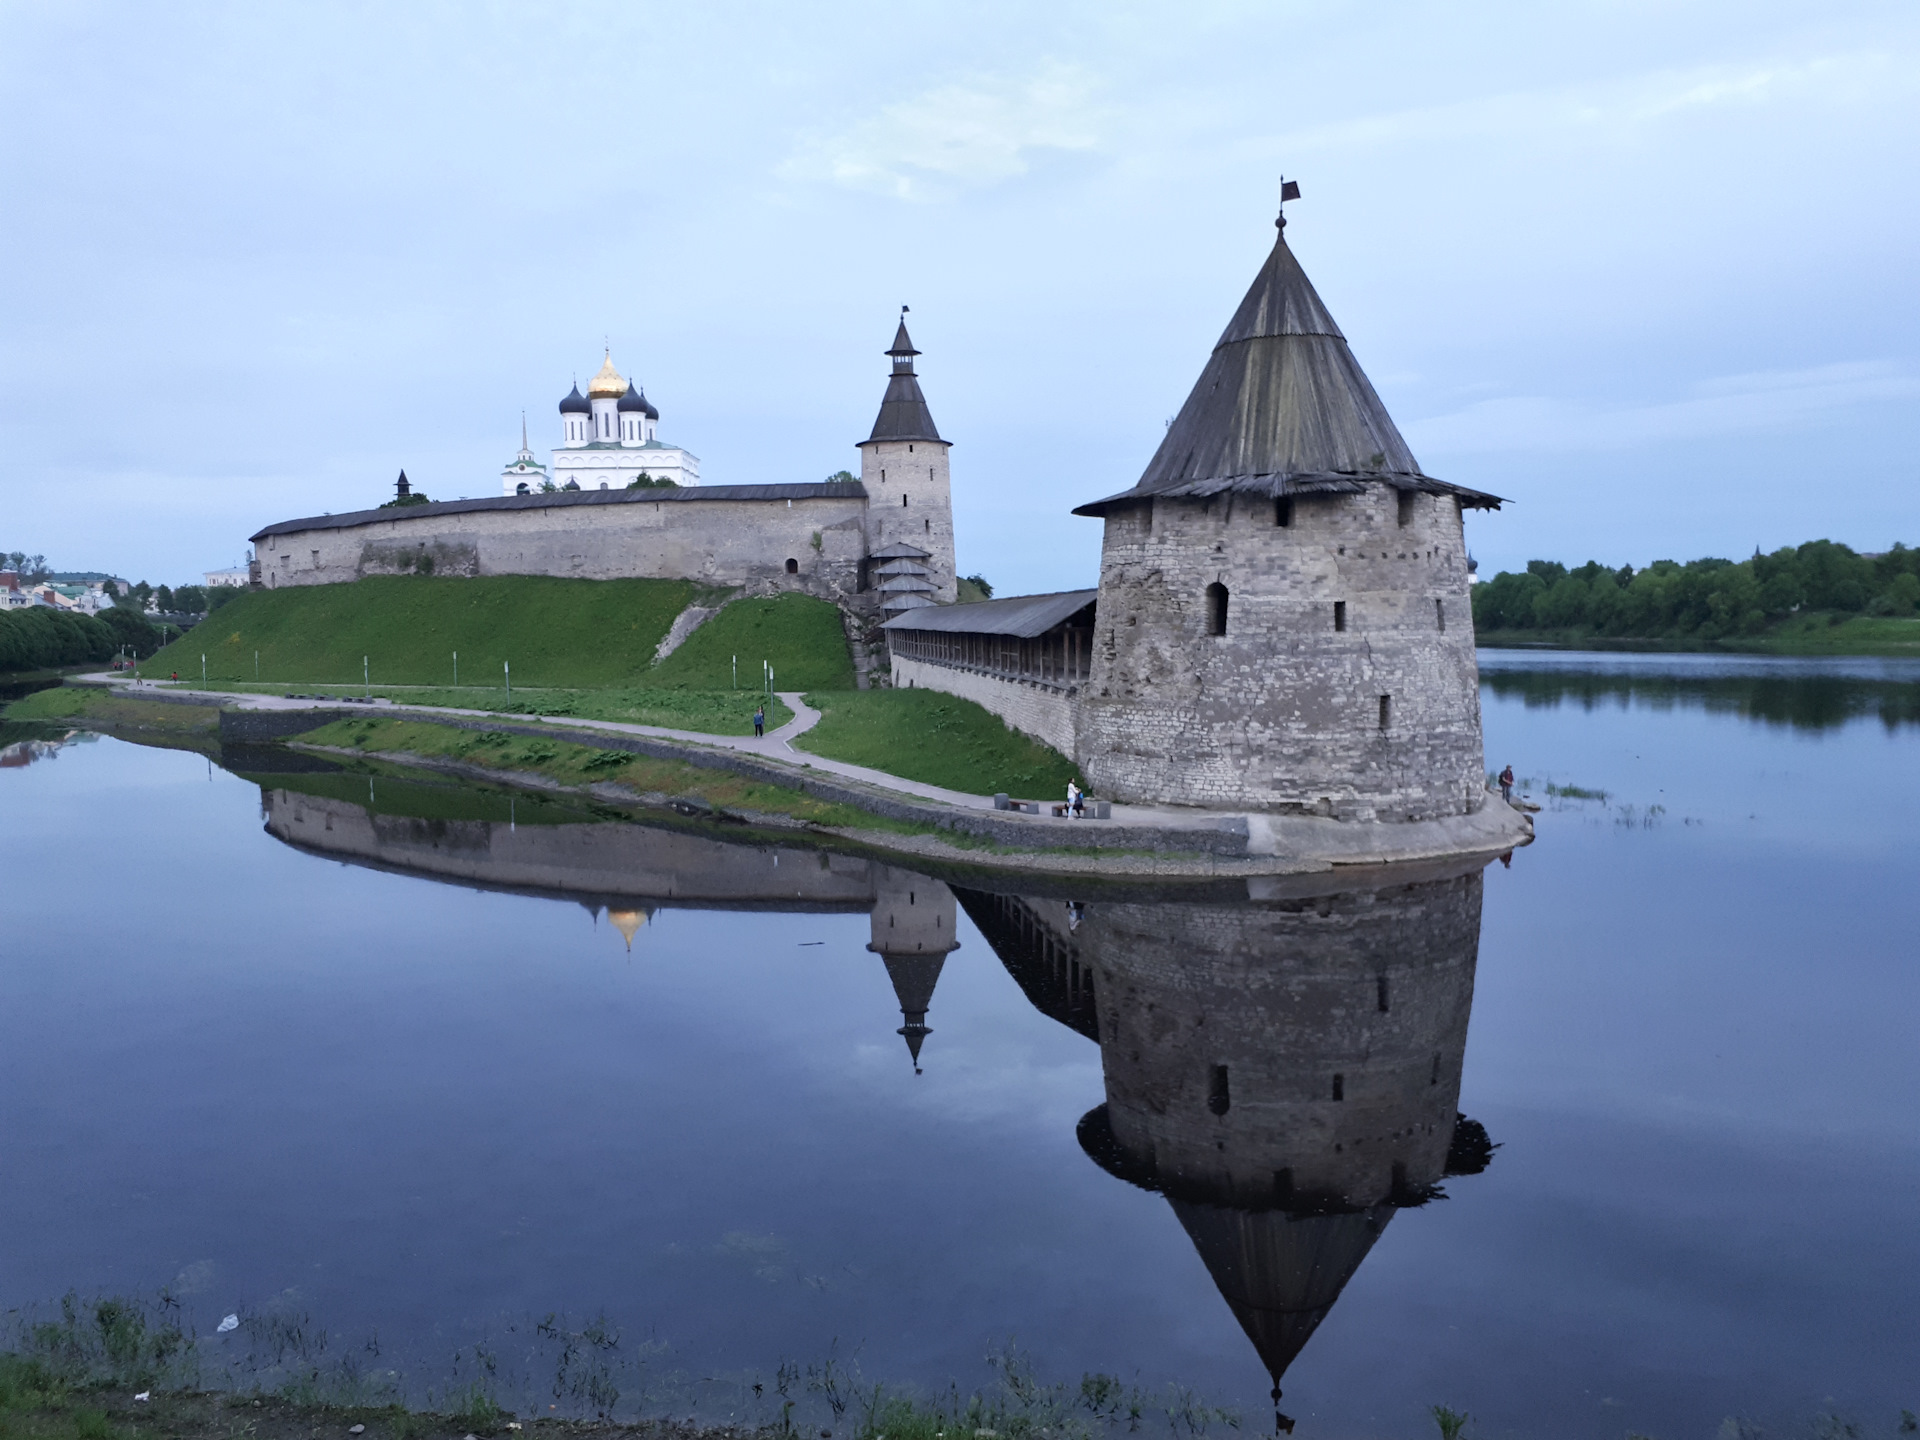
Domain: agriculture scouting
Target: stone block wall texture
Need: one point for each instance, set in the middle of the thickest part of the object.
(1038, 711)
(1372, 988)
(716, 542)
(1283, 712)
(910, 501)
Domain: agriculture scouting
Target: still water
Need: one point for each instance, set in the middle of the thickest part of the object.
(425, 1065)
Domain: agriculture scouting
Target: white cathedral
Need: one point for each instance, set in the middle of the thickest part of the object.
(607, 442)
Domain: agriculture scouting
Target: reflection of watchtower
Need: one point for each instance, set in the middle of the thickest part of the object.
(913, 919)
(1287, 1075)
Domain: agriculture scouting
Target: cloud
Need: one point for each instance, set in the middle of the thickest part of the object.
(975, 133)
(1755, 403)
(1619, 106)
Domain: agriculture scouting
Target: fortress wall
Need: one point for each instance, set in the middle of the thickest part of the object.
(1374, 988)
(1044, 714)
(716, 542)
(1282, 713)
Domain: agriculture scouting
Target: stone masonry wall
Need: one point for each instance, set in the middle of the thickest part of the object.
(1035, 710)
(1314, 1046)
(910, 500)
(1283, 712)
(716, 542)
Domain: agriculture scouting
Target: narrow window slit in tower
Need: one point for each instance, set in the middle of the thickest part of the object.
(1340, 1087)
(903, 500)
(1339, 615)
(1380, 993)
(1218, 1100)
(1435, 1078)
(1216, 609)
(1283, 513)
(1440, 614)
(1386, 710)
(1407, 497)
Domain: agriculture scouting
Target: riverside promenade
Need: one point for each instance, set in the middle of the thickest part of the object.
(1248, 842)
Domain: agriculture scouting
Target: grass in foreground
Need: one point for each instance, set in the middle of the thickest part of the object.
(552, 631)
(936, 739)
(1819, 632)
(710, 712)
(101, 709)
(584, 765)
(803, 638)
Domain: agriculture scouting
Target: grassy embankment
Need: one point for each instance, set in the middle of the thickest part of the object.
(579, 765)
(113, 1370)
(585, 648)
(149, 721)
(937, 739)
(1820, 633)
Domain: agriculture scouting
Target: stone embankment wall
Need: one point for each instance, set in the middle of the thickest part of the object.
(714, 540)
(1301, 1054)
(1344, 684)
(1034, 709)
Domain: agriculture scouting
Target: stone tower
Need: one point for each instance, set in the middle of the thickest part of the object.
(1283, 615)
(913, 933)
(903, 465)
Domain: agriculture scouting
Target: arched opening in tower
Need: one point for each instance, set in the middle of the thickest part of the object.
(1216, 609)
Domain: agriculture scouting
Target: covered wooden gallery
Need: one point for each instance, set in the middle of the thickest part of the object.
(1039, 639)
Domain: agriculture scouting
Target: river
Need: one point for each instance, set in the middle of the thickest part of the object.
(422, 1066)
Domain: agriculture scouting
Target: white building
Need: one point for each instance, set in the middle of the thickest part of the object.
(607, 442)
(234, 578)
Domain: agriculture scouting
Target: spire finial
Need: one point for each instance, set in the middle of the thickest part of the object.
(523, 429)
(1289, 190)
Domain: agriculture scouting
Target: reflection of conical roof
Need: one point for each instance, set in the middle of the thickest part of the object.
(914, 977)
(628, 923)
(1280, 1273)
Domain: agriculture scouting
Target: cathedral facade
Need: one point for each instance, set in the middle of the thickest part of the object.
(608, 441)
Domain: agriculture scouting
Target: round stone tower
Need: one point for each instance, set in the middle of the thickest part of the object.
(1283, 622)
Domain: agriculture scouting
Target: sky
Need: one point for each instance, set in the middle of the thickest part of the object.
(1645, 269)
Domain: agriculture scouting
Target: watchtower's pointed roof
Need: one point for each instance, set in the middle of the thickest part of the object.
(914, 977)
(1281, 408)
(903, 410)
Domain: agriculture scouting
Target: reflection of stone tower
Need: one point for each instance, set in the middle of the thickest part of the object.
(1286, 1074)
(913, 933)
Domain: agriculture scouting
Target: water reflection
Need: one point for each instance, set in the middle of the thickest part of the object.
(1810, 694)
(1284, 1067)
(1285, 1072)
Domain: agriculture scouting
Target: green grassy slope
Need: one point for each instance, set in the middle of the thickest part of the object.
(553, 631)
(1820, 632)
(801, 636)
(939, 739)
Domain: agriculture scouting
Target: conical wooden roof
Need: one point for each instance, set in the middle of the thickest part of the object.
(1282, 408)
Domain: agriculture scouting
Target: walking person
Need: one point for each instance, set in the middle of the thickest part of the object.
(1506, 784)
(759, 720)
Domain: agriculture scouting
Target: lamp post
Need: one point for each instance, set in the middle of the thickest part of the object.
(456, 669)
(366, 678)
(506, 669)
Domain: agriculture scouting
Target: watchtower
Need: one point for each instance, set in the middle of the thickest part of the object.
(903, 465)
(1283, 620)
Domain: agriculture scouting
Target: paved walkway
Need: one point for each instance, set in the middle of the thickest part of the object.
(1267, 835)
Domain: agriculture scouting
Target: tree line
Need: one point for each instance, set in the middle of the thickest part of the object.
(1704, 599)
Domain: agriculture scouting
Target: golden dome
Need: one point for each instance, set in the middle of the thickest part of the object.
(607, 385)
(627, 922)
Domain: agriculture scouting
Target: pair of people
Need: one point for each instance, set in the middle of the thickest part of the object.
(1076, 799)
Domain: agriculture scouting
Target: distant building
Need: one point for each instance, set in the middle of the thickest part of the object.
(608, 441)
(221, 579)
